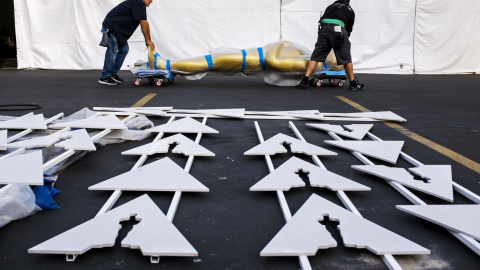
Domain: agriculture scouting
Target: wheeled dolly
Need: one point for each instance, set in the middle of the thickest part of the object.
(317, 78)
(153, 80)
(318, 81)
(154, 77)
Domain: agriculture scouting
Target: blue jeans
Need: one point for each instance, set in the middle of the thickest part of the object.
(114, 57)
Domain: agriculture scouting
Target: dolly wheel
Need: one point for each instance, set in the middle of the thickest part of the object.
(151, 80)
(137, 82)
(341, 83)
(318, 83)
(171, 80)
(158, 83)
(331, 81)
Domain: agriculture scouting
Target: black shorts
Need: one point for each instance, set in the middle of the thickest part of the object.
(328, 40)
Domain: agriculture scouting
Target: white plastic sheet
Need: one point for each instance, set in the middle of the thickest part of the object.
(397, 37)
(16, 203)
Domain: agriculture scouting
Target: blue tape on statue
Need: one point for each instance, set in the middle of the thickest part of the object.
(168, 65)
(260, 55)
(155, 56)
(209, 61)
(244, 62)
(324, 66)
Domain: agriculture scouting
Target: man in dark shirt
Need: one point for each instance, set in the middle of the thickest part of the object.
(334, 30)
(121, 22)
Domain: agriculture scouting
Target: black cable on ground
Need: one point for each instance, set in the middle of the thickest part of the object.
(23, 107)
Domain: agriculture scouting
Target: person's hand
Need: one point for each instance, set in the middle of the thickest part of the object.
(150, 43)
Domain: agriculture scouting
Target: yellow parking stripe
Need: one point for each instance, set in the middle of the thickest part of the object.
(144, 100)
(442, 150)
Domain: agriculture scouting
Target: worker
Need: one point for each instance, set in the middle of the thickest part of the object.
(334, 30)
(118, 27)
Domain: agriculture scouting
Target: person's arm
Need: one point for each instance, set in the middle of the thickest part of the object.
(146, 33)
(349, 26)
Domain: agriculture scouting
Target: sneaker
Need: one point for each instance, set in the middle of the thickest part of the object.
(305, 83)
(107, 81)
(356, 85)
(117, 79)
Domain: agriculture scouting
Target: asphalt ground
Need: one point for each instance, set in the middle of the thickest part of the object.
(230, 225)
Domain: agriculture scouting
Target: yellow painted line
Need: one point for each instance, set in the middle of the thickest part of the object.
(140, 103)
(435, 146)
(144, 100)
(353, 104)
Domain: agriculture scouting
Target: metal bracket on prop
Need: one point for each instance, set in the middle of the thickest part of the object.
(71, 257)
(154, 259)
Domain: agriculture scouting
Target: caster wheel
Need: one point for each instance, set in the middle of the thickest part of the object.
(171, 80)
(151, 80)
(331, 81)
(318, 83)
(158, 83)
(137, 82)
(341, 83)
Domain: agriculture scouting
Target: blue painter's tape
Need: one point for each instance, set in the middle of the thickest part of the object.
(168, 65)
(324, 66)
(155, 61)
(209, 61)
(260, 55)
(244, 62)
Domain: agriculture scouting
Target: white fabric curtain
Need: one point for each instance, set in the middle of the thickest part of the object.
(447, 38)
(64, 34)
(395, 37)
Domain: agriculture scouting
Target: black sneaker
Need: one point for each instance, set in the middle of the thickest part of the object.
(356, 85)
(305, 83)
(117, 79)
(107, 81)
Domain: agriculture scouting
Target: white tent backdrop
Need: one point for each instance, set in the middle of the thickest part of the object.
(447, 38)
(396, 37)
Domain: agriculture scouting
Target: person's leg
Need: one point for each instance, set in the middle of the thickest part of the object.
(122, 53)
(110, 58)
(354, 85)
(311, 66)
(319, 54)
(349, 70)
(344, 57)
(305, 81)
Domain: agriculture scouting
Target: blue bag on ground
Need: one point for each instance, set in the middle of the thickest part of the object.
(44, 195)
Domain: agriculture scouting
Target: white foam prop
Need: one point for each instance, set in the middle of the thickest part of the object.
(274, 145)
(354, 131)
(73, 140)
(184, 125)
(184, 146)
(25, 122)
(286, 177)
(384, 150)
(304, 235)
(99, 122)
(385, 115)
(26, 168)
(155, 235)
(161, 175)
(461, 218)
(438, 178)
